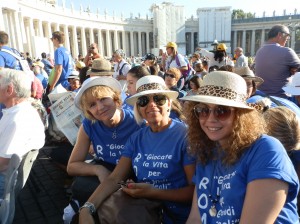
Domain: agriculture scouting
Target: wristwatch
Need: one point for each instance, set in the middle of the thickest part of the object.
(90, 206)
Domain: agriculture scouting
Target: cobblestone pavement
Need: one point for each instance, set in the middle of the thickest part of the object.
(44, 197)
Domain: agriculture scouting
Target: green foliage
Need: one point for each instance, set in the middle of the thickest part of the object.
(240, 14)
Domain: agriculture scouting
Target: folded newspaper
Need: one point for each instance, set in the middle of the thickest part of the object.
(67, 117)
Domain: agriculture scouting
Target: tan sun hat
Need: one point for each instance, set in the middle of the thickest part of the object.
(222, 88)
(151, 84)
(247, 73)
(100, 67)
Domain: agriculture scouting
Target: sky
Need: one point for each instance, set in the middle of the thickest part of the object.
(133, 6)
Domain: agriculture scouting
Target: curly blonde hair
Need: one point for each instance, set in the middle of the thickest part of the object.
(98, 92)
(248, 126)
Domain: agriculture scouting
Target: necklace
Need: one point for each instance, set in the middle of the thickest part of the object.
(214, 200)
(114, 134)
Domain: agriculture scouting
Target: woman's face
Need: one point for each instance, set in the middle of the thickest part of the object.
(131, 84)
(102, 109)
(148, 62)
(193, 86)
(217, 123)
(170, 79)
(170, 51)
(156, 110)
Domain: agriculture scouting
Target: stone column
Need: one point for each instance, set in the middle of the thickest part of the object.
(100, 45)
(31, 46)
(116, 40)
(91, 31)
(11, 27)
(56, 27)
(253, 43)
(293, 37)
(49, 35)
(147, 42)
(2, 26)
(83, 42)
(67, 38)
(262, 37)
(19, 42)
(108, 44)
(234, 40)
(140, 44)
(40, 28)
(131, 44)
(192, 43)
(244, 40)
(123, 41)
(75, 42)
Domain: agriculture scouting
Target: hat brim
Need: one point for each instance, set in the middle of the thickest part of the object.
(106, 73)
(216, 100)
(292, 90)
(170, 94)
(256, 79)
(97, 81)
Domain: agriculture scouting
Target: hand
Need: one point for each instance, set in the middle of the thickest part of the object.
(138, 190)
(85, 217)
(164, 56)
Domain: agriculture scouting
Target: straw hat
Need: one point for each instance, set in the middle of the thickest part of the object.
(151, 84)
(74, 75)
(247, 73)
(80, 64)
(222, 88)
(97, 81)
(100, 67)
(38, 63)
(293, 87)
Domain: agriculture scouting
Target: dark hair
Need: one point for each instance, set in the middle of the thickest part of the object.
(138, 71)
(3, 38)
(82, 74)
(220, 55)
(277, 29)
(213, 68)
(44, 55)
(196, 80)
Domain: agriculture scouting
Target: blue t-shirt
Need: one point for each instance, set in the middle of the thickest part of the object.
(266, 158)
(159, 158)
(63, 57)
(43, 80)
(108, 142)
(7, 60)
(47, 66)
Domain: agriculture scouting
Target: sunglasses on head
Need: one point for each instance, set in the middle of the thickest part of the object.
(170, 75)
(221, 113)
(159, 100)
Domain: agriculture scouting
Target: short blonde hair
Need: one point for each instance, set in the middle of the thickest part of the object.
(98, 92)
(174, 71)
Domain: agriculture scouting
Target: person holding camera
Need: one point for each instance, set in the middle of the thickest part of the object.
(93, 53)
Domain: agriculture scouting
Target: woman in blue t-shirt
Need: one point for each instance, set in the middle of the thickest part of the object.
(156, 153)
(104, 131)
(242, 175)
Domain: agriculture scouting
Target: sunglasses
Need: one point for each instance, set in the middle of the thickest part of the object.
(170, 75)
(221, 113)
(159, 100)
(286, 34)
(92, 48)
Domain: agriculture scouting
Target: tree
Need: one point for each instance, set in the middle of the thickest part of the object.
(240, 14)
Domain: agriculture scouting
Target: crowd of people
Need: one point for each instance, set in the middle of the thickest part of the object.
(213, 138)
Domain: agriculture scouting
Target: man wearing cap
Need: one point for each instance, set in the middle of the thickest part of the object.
(274, 61)
(241, 59)
(121, 67)
(219, 57)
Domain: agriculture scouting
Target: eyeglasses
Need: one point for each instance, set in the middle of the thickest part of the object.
(92, 48)
(170, 75)
(159, 100)
(286, 35)
(222, 113)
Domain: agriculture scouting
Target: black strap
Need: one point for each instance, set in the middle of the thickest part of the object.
(120, 70)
